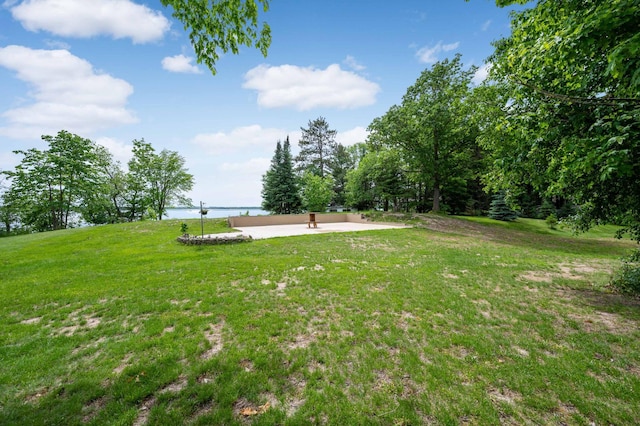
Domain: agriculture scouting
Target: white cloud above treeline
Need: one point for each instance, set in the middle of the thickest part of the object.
(90, 18)
(66, 93)
(429, 54)
(241, 139)
(180, 64)
(481, 73)
(305, 88)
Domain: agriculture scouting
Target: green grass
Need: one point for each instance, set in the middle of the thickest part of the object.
(453, 322)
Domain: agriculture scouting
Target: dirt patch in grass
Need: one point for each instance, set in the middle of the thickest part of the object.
(144, 410)
(175, 387)
(214, 337)
(31, 320)
(504, 395)
(612, 323)
(92, 409)
(33, 398)
(302, 341)
(246, 365)
(123, 364)
(537, 276)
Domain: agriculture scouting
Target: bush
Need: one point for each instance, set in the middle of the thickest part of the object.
(552, 221)
(184, 228)
(627, 279)
(500, 210)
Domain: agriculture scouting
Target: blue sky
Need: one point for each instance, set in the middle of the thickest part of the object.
(118, 70)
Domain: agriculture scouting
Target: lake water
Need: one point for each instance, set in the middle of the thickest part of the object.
(212, 213)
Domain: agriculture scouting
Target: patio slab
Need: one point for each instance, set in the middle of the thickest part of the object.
(273, 231)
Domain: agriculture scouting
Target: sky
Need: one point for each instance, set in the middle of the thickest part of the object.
(115, 71)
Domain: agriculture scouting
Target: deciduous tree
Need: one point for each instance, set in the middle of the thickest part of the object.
(572, 124)
(220, 26)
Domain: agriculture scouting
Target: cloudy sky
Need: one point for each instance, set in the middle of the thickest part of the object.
(118, 70)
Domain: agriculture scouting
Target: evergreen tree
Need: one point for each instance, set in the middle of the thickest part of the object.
(317, 146)
(500, 210)
(280, 194)
(340, 164)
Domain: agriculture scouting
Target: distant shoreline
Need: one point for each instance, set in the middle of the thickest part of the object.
(216, 208)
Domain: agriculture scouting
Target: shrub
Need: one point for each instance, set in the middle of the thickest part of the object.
(500, 210)
(552, 221)
(184, 228)
(627, 279)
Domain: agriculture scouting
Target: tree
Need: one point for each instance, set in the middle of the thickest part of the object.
(500, 210)
(316, 192)
(572, 124)
(379, 181)
(339, 165)
(221, 26)
(280, 193)
(162, 178)
(48, 188)
(433, 125)
(317, 145)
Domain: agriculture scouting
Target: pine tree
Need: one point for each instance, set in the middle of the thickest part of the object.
(500, 210)
(317, 146)
(280, 194)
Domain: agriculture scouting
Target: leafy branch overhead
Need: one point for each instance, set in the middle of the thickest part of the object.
(220, 26)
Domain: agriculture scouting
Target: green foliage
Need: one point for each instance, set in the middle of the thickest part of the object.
(379, 181)
(220, 26)
(317, 145)
(158, 180)
(627, 278)
(340, 164)
(317, 192)
(433, 127)
(571, 125)
(184, 228)
(551, 221)
(49, 187)
(280, 192)
(500, 210)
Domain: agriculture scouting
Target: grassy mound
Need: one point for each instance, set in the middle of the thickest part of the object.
(450, 322)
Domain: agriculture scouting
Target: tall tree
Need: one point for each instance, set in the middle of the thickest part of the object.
(163, 176)
(280, 193)
(48, 187)
(317, 145)
(432, 126)
(340, 163)
(217, 26)
(572, 124)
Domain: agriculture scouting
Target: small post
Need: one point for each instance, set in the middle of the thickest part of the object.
(201, 220)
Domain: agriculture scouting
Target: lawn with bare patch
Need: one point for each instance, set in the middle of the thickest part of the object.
(451, 322)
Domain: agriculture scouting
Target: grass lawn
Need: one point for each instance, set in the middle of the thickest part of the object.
(451, 322)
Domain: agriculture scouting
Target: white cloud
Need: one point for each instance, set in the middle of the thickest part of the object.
(253, 166)
(57, 44)
(429, 55)
(241, 139)
(180, 63)
(84, 18)
(486, 25)
(69, 94)
(351, 62)
(481, 74)
(353, 136)
(121, 151)
(307, 88)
